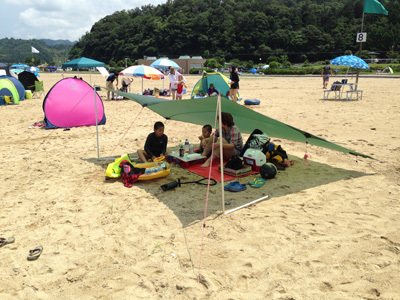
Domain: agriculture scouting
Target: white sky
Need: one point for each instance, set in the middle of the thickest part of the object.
(58, 19)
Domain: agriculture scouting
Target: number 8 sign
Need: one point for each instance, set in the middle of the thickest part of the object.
(361, 37)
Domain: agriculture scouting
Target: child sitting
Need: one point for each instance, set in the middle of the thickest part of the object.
(180, 86)
(156, 144)
(205, 135)
(212, 91)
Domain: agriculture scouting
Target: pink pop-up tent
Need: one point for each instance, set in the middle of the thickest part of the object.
(72, 102)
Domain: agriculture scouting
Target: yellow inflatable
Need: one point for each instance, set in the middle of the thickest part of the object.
(114, 171)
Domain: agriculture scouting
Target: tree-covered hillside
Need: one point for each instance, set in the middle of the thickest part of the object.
(242, 29)
(17, 50)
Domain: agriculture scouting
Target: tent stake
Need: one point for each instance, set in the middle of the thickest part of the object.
(244, 205)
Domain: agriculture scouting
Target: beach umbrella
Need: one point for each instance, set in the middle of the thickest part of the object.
(19, 66)
(165, 63)
(350, 61)
(254, 70)
(143, 72)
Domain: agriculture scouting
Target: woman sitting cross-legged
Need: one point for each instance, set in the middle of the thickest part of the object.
(232, 142)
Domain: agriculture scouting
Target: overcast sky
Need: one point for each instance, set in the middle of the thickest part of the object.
(58, 19)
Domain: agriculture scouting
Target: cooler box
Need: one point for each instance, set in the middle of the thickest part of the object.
(254, 158)
(28, 94)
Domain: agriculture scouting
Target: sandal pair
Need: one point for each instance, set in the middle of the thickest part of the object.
(257, 182)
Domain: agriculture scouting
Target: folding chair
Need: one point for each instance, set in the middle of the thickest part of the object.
(39, 90)
(335, 89)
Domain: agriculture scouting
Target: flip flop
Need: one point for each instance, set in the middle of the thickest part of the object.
(4, 242)
(257, 182)
(35, 253)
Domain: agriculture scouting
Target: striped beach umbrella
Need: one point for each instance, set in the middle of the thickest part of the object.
(144, 72)
(165, 63)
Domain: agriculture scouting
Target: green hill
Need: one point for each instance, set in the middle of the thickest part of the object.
(17, 50)
(241, 29)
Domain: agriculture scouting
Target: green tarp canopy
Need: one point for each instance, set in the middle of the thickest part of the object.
(83, 62)
(202, 111)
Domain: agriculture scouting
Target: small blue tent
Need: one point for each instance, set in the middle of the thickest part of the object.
(18, 85)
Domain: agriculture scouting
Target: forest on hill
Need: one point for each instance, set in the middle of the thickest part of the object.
(312, 30)
(20, 51)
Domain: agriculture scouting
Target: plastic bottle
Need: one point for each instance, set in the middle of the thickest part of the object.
(181, 151)
(191, 150)
(187, 146)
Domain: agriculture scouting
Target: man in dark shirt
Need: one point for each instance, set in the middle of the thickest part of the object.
(326, 71)
(156, 144)
(110, 84)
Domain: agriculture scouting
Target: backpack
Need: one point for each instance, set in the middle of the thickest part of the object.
(129, 173)
(276, 155)
(258, 141)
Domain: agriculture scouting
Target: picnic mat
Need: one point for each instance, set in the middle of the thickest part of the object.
(215, 174)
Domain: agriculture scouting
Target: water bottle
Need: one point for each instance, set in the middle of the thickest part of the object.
(187, 146)
(181, 151)
(191, 150)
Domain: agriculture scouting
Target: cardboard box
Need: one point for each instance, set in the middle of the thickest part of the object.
(243, 171)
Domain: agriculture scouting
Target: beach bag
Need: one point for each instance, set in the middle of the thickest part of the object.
(258, 141)
(129, 173)
(275, 152)
(235, 163)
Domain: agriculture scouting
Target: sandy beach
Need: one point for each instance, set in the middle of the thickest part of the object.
(329, 230)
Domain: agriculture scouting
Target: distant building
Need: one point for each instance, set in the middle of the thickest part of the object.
(185, 62)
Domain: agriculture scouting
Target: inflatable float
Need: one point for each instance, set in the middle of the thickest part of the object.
(251, 102)
(154, 170)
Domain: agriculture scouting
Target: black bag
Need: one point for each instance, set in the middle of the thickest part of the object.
(235, 163)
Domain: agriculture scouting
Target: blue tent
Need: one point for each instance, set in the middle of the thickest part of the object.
(18, 85)
(254, 71)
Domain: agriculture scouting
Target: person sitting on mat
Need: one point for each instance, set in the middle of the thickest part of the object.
(212, 91)
(232, 142)
(156, 144)
(205, 135)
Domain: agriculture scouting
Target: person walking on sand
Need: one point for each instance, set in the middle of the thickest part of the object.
(326, 72)
(234, 77)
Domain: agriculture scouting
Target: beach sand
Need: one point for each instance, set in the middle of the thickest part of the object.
(329, 230)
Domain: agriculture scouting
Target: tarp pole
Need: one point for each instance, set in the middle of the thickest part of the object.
(244, 205)
(359, 52)
(221, 151)
(97, 127)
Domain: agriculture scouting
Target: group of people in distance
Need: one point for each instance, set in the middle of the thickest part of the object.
(177, 84)
(230, 137)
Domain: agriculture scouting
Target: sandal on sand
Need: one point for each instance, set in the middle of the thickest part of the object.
(231, 184)
(257, 182)
(237, 187)
(35, 253)
(4, 242)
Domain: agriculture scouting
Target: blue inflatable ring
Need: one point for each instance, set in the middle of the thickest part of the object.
(251, 102)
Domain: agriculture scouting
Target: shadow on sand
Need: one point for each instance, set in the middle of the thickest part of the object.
(188, 205)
